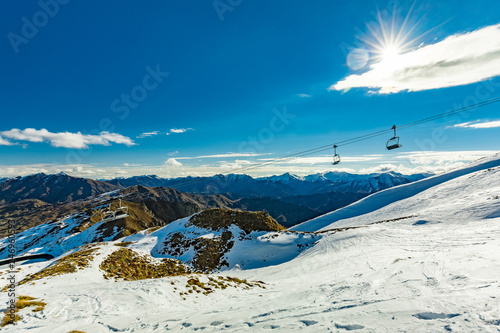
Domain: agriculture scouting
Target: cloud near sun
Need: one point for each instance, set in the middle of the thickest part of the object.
(63, 139)
(457, 60)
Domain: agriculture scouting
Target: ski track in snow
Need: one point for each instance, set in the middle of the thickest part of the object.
(437, 271)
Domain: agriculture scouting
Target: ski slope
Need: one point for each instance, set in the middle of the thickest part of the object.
(431, 265)
(391, 195)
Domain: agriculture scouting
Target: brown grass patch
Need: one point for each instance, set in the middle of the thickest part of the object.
(10, 317)
(129, 265)
(151, 230)
(209, 254)
(123, 244)
(68, 264)
(221, 282)
(218, 218)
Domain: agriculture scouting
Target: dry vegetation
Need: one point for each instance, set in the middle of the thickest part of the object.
(129, 265)
(68, 264)
(217, 218)
(21, 303)
(123, 244)
(194, 285)
(209, 252)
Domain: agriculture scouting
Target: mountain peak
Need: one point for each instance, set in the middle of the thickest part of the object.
(285, 178)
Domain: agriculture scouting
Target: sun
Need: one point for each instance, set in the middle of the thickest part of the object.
(391, 35)
(390, 53)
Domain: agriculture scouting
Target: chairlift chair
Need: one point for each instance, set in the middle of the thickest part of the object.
(336, 157)
(121, 211)
(393, 142)
(107, 215)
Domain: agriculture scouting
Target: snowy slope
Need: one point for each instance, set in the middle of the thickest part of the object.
(391, 195)
(432, 266)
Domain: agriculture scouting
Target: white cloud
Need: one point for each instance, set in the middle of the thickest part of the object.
(484, 124)
(67, 139)
(457, 60)
(231, 155)
(304, 95)
(180, 130)
(380, 168)
(443, 157)
(409, 170)
(236, 165)
(173, 162)
(148, 134)
(4, 142)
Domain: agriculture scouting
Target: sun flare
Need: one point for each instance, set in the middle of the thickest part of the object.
(390, 53)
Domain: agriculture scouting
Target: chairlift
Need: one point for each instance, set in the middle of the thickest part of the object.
(393, 142)
(336, 157)
(121, 211)
(108, 214)
(118, 213)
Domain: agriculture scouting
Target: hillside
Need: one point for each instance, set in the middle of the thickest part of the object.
(166, 204)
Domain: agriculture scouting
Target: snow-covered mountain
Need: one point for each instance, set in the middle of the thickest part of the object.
(421, 257)
(51, 188)
(277, 186)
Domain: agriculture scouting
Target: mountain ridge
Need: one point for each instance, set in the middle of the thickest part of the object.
(276, 186)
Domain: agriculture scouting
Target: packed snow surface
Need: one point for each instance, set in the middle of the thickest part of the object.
(423, 257)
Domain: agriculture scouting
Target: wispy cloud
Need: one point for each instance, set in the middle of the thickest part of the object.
(479, 124)
(405, 163)
(4, 142)
(66, 139)
(304, 95)
(326, 159)
(180, 130)
(223, 155)
(457, 60)
(148, 134)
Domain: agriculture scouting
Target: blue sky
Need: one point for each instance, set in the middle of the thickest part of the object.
(175, 88)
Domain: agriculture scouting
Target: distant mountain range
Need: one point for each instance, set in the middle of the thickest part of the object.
(55, 188)
(290, 199)
(285, 185)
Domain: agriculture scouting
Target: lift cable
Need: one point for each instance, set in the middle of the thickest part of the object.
(353, 140)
